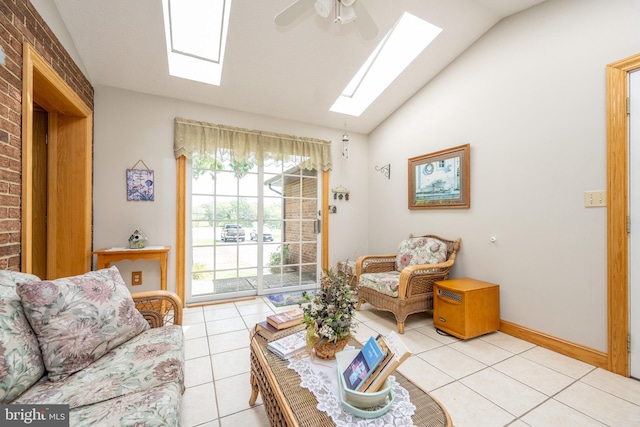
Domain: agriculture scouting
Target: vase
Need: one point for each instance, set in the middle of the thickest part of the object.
(326, 349)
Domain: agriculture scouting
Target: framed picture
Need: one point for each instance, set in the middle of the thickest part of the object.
(140, 185)
(440, 179)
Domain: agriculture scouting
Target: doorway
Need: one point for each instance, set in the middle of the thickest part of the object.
(618, 260)
(57, 182)
(634, 214)
(39, 174)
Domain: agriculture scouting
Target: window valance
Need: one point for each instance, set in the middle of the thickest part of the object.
(206, 139)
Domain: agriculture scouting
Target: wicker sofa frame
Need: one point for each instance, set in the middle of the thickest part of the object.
(415, 290)
(159, 307)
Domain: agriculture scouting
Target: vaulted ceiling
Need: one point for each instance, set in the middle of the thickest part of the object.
(294, 72)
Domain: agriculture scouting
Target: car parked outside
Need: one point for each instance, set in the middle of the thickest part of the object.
(233, 232)
(267, 235)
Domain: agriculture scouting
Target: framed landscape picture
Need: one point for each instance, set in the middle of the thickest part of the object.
(440, 179)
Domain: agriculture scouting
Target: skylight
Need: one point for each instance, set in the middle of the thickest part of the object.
(196, 35)
(402, 44)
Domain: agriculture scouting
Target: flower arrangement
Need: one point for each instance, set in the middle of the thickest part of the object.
(329, 316)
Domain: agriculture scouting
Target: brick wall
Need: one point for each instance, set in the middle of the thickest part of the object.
(20, 22)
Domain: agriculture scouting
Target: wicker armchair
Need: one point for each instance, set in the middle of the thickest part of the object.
(415, 282)
(159, 307)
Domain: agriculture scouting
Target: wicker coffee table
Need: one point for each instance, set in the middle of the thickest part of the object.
(288, 404)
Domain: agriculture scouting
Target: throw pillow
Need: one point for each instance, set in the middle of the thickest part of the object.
(420, 250)
(20, 358)
(78, 319)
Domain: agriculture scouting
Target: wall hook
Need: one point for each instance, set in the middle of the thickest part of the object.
(385, 170)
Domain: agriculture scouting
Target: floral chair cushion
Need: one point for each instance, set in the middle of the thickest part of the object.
(384, 282)
(150, 359)
(78, 319)
(20, 358)
(420, 250)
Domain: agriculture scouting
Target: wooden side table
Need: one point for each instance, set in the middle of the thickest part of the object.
(466, 308)
(153, 253)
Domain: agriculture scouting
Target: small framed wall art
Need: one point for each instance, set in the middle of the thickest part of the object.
(140, 183)
(440, 179)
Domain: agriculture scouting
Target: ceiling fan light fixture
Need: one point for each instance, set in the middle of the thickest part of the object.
(347, 3)
(323, 7)
(347, 14)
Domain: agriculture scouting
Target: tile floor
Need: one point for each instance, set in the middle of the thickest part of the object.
(494, 380)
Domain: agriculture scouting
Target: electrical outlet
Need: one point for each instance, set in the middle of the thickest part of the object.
(593, 199)
(136, 278)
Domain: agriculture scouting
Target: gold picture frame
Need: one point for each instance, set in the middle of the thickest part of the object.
(440, 180)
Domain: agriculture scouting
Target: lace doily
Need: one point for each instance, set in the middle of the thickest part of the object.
(320, 378)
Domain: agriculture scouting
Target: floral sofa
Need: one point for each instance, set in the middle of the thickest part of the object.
(84, 341)
(402, 283)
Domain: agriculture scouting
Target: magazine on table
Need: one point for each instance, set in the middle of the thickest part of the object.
(364, 364)
(388, 356)
(399, 353)
(290, 345)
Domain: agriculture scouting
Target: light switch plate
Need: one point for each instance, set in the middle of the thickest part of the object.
(136, 278)
(593, 199)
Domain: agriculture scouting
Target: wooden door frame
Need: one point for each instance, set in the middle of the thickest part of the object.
(70, 139)
(618, 212)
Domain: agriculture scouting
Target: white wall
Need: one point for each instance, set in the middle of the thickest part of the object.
(130, 126)
(530, 99)
(49, 12)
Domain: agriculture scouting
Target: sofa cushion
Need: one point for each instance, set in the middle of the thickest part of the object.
(420, 250)
(78, 319)
(20, 358)
(385, 282)
(154, 407)
(148, 360)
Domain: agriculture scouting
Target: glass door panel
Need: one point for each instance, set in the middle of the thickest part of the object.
(252, 229)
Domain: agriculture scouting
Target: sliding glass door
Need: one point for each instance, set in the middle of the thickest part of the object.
(254, 229)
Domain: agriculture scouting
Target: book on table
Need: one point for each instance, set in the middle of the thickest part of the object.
(286, 319)
(364, 364)
(290, 345)
(388, 355)
(399, 353)
(268, 332)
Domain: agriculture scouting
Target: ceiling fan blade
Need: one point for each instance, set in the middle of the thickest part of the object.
(292, 12)
(368, 29)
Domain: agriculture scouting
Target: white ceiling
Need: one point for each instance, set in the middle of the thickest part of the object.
(293, 72)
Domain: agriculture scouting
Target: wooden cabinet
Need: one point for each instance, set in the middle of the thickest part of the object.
(466, 308)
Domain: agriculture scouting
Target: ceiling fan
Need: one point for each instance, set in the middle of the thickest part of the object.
(344, 12)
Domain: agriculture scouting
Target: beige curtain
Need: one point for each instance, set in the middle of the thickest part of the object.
(208, 139)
